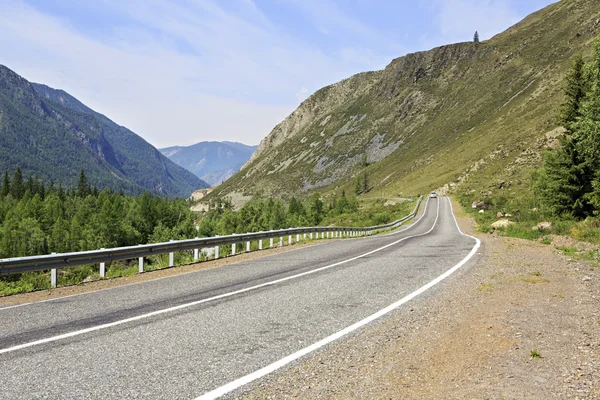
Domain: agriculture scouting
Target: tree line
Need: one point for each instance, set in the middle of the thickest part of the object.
(38, 218)
(269, 214)
(568, 184)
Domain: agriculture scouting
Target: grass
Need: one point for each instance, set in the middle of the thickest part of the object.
(534, 279)
(486, 287)
(534, 354)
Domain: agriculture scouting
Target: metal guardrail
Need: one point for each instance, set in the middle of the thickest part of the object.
(62, 260)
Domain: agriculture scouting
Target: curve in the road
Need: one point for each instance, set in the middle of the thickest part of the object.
(231, 386)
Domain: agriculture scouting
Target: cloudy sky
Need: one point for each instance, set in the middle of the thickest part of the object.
(177, 72)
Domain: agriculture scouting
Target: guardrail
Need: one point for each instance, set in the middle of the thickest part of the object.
(54, 261)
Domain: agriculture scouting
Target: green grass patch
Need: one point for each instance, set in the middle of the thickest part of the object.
(535, 354)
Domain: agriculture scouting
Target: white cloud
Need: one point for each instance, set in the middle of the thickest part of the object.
(233, 79)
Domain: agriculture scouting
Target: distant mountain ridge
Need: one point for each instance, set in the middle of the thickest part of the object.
(51, 134)
(213, 162)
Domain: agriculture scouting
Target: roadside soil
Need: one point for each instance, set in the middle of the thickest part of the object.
(519, 321)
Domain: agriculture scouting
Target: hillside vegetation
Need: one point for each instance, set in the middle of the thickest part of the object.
(475, 115)
(51, 134)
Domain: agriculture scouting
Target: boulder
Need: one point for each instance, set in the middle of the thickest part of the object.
(503, 223)
(543, 226)
(499, 215)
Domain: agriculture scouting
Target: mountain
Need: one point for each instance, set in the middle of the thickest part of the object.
(213, 162)
(50, 133)
(468, 114)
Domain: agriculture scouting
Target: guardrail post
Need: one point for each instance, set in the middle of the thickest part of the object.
(305, 236)
(102, 268)
(310, 236)
(260, 244)
(233, 249)
(290, 240)
(248, 246)
(216, 252)
(297, 237)
(141, 265)
(196, 254)
(271, 243)
(171, 257)
(322, 235)
(53, 276)
(281, 241)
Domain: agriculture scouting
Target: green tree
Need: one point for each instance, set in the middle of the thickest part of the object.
(83, 188)
(365, 182)
(358, 188)
(574, 93)
(17, 188)
(5, 190)
(476, 37)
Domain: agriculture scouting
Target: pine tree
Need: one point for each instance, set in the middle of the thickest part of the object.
(17, 188)
(83, 188)
(574, 92)
(365, 182)
(358, 187)
(5, 190)
(476, 37)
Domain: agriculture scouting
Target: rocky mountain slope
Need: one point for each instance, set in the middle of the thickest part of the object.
(468, 114)
(213, 162)
(50, 133)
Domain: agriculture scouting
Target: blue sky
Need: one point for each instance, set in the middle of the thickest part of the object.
(178, 72)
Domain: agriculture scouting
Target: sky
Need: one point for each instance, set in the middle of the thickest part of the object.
(177, 72)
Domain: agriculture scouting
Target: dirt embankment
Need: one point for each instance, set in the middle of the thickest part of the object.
(521, 321)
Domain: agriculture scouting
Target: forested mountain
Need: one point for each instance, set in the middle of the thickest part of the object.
(213, 162)
(470, 114)
(51, 134)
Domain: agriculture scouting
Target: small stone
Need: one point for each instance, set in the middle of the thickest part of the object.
(586, 278)
(503, 223)
(499, 215)
(543, 226)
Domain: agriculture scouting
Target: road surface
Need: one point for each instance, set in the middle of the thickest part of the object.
(188, 335)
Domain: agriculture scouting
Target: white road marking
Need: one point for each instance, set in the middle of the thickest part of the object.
(218, 392)
(221, 296)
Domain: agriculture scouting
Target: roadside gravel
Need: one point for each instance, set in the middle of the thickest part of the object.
(472, 336)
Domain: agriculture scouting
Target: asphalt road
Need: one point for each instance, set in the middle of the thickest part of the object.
(80, 347)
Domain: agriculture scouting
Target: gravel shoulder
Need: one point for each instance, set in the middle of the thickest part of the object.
(471, 336)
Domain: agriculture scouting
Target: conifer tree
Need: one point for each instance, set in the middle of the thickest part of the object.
(5, 190)
(358, 187)
(83, 189)
(574, 93)
(17, 188)
(476, 37)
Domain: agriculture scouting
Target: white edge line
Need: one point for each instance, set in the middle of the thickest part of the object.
(229, 387)
(395, 232)
(194, 303)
